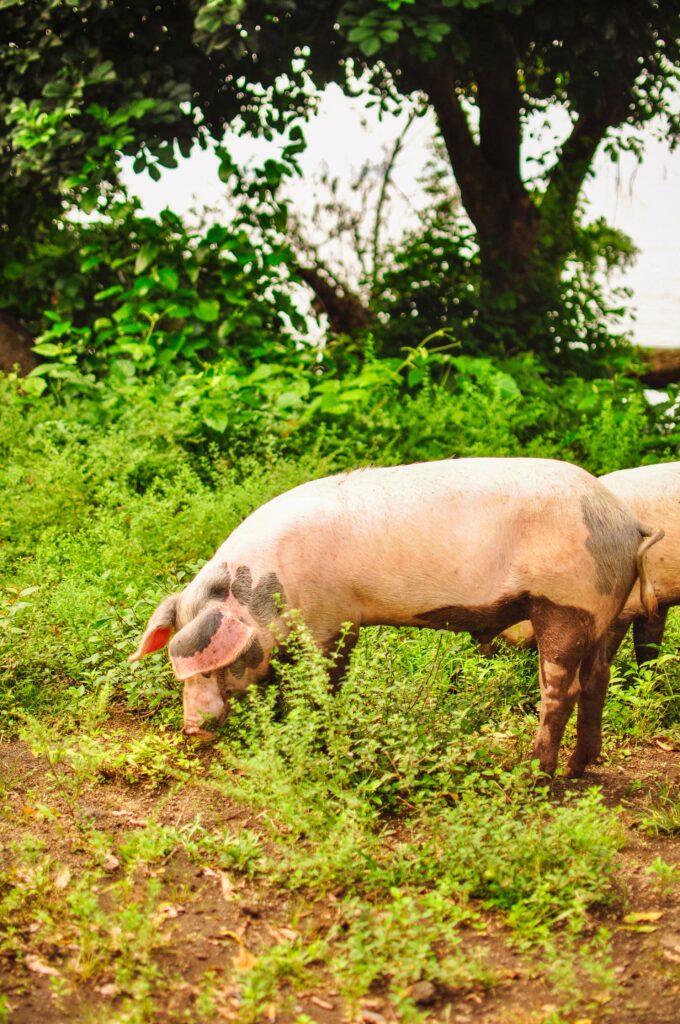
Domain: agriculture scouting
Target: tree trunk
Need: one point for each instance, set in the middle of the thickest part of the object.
(661, 366)
(524, 237)
(15, 346)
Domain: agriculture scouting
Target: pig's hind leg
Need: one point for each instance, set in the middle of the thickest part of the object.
(647, 636)
(594, 680)
(564, 637)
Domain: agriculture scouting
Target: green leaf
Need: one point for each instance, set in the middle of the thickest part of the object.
(288, 399)
(103, 72)
(145, 257)
(207, 310)
(88, 202)
(169, 278)
(506, 386)
(166, 157)
(359, 33)
(13, 270)
(33, 385)
(58, 88)
(216, 419)
(370, 46)
(115, 289)
(47, 348)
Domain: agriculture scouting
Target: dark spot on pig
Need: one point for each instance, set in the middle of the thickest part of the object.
(254, 655)
(197, 635)
(219, 585)
(260, 600)
(242, 586)
(483, 622)
(238, 668)
(263, 604)
(613, 541)
(250, 659)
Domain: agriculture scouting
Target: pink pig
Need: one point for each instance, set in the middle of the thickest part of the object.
(469, 544)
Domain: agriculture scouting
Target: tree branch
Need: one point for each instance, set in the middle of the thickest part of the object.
(384, 185)
(469, 166)
(345, 311)
(609, 107)
(573, 163)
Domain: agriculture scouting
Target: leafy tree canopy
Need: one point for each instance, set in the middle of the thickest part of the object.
(88, 77)
(82, 81)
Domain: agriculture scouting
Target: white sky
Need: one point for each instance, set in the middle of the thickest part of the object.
(641, 199)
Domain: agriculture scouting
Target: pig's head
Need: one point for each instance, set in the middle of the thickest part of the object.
(221, 639)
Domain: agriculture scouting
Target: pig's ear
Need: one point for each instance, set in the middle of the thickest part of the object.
(213, 639)
(159, 629)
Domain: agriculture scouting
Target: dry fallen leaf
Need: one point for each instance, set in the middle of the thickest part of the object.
(63, 877)
(35, 964)
(371, 1016)
(109, 990)
(208, 872)
(227, 886)
(244, 960)
(323, 1004)
(663, 743)
(637, 917)
(283, 934)
(170, 910)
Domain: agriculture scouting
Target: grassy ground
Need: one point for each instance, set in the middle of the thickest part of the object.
(383, 854)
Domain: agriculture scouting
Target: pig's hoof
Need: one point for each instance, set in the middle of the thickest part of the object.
(574, 769)
(200, 735)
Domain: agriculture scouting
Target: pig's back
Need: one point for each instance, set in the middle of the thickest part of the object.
(467, 531)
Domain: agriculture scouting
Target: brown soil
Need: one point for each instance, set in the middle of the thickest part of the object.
(207, 929)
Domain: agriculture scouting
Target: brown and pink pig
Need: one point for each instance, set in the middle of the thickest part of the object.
(468, 544)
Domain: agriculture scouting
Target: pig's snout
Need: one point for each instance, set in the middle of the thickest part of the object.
(203, 704)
